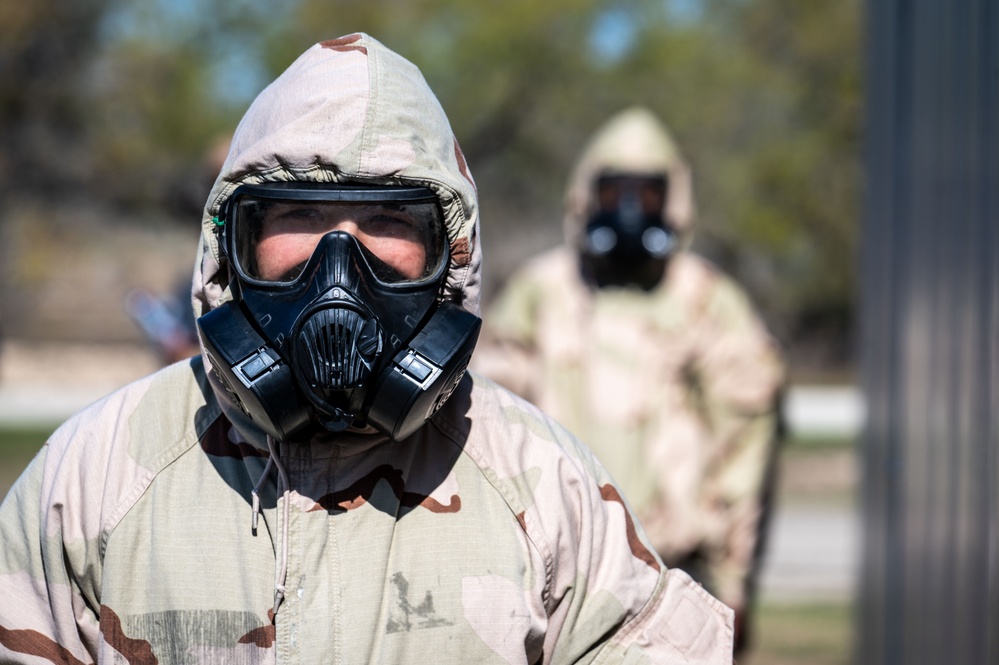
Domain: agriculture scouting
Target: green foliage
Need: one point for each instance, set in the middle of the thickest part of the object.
(796, 200)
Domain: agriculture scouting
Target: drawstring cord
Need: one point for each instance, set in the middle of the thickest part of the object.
(255, 492)
(284, 488)
(282, 573)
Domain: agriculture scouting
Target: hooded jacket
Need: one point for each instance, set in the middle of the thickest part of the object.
(675, 389)
(490, 535)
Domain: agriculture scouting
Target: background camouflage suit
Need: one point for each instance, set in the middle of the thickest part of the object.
(675, 389)
(489, 536)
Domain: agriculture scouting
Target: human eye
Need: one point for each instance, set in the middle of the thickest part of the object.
(392, 223)
(294, 217)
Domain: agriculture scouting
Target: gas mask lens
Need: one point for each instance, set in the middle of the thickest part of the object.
(628, 238)
(630, 194)
(275, 231)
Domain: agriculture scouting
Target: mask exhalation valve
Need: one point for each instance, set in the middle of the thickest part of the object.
(335, 351)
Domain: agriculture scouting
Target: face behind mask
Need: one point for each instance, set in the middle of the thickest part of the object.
(336, 318)
(627, 240)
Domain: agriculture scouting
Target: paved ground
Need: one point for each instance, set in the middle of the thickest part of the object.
(48, 382)
(814, 538)
(812, 555)
(825, 411)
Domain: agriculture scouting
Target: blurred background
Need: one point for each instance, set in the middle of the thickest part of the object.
(115, 116)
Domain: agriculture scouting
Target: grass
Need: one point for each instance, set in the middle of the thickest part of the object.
(805, 442)
(17, 446)
(817, 633)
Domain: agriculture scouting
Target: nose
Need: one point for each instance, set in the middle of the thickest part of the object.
(346, 225)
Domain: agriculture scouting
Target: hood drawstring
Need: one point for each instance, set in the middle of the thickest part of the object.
(255, 492)
(284, 489)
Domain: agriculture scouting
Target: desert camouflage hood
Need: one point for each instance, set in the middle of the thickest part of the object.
(635, 141)
(349, 110)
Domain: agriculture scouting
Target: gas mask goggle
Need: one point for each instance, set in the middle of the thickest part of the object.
(336, 318)
(627, 240)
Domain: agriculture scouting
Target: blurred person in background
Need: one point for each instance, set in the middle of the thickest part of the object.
(324, 481)
(166, 321)
(651, 355)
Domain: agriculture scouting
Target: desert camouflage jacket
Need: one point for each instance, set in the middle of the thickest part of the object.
(675, 389)
(490, 535)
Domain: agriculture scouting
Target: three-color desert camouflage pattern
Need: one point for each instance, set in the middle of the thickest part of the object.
(675, 389)
(489, 536)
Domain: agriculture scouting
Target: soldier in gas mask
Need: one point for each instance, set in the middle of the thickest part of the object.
(650, 355)
(326, 482)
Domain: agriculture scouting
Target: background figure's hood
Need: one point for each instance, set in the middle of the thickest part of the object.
(633, 140)
(349, 110)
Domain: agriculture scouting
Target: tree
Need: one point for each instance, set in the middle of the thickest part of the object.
(43, 47)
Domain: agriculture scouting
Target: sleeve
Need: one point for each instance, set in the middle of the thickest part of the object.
(614, 601)
(741, 376)
(507, 350)
(594, 586)
(45, 614)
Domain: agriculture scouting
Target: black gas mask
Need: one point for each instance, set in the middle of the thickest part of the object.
(627, 240)
(336, 317)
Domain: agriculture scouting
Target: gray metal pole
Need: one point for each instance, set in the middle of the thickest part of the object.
(929, 339)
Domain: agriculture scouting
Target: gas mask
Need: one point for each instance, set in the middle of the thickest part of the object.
(336, 318)
(627, 240)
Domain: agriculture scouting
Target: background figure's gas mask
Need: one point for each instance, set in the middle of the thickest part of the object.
(627, 240)
(336, 318)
